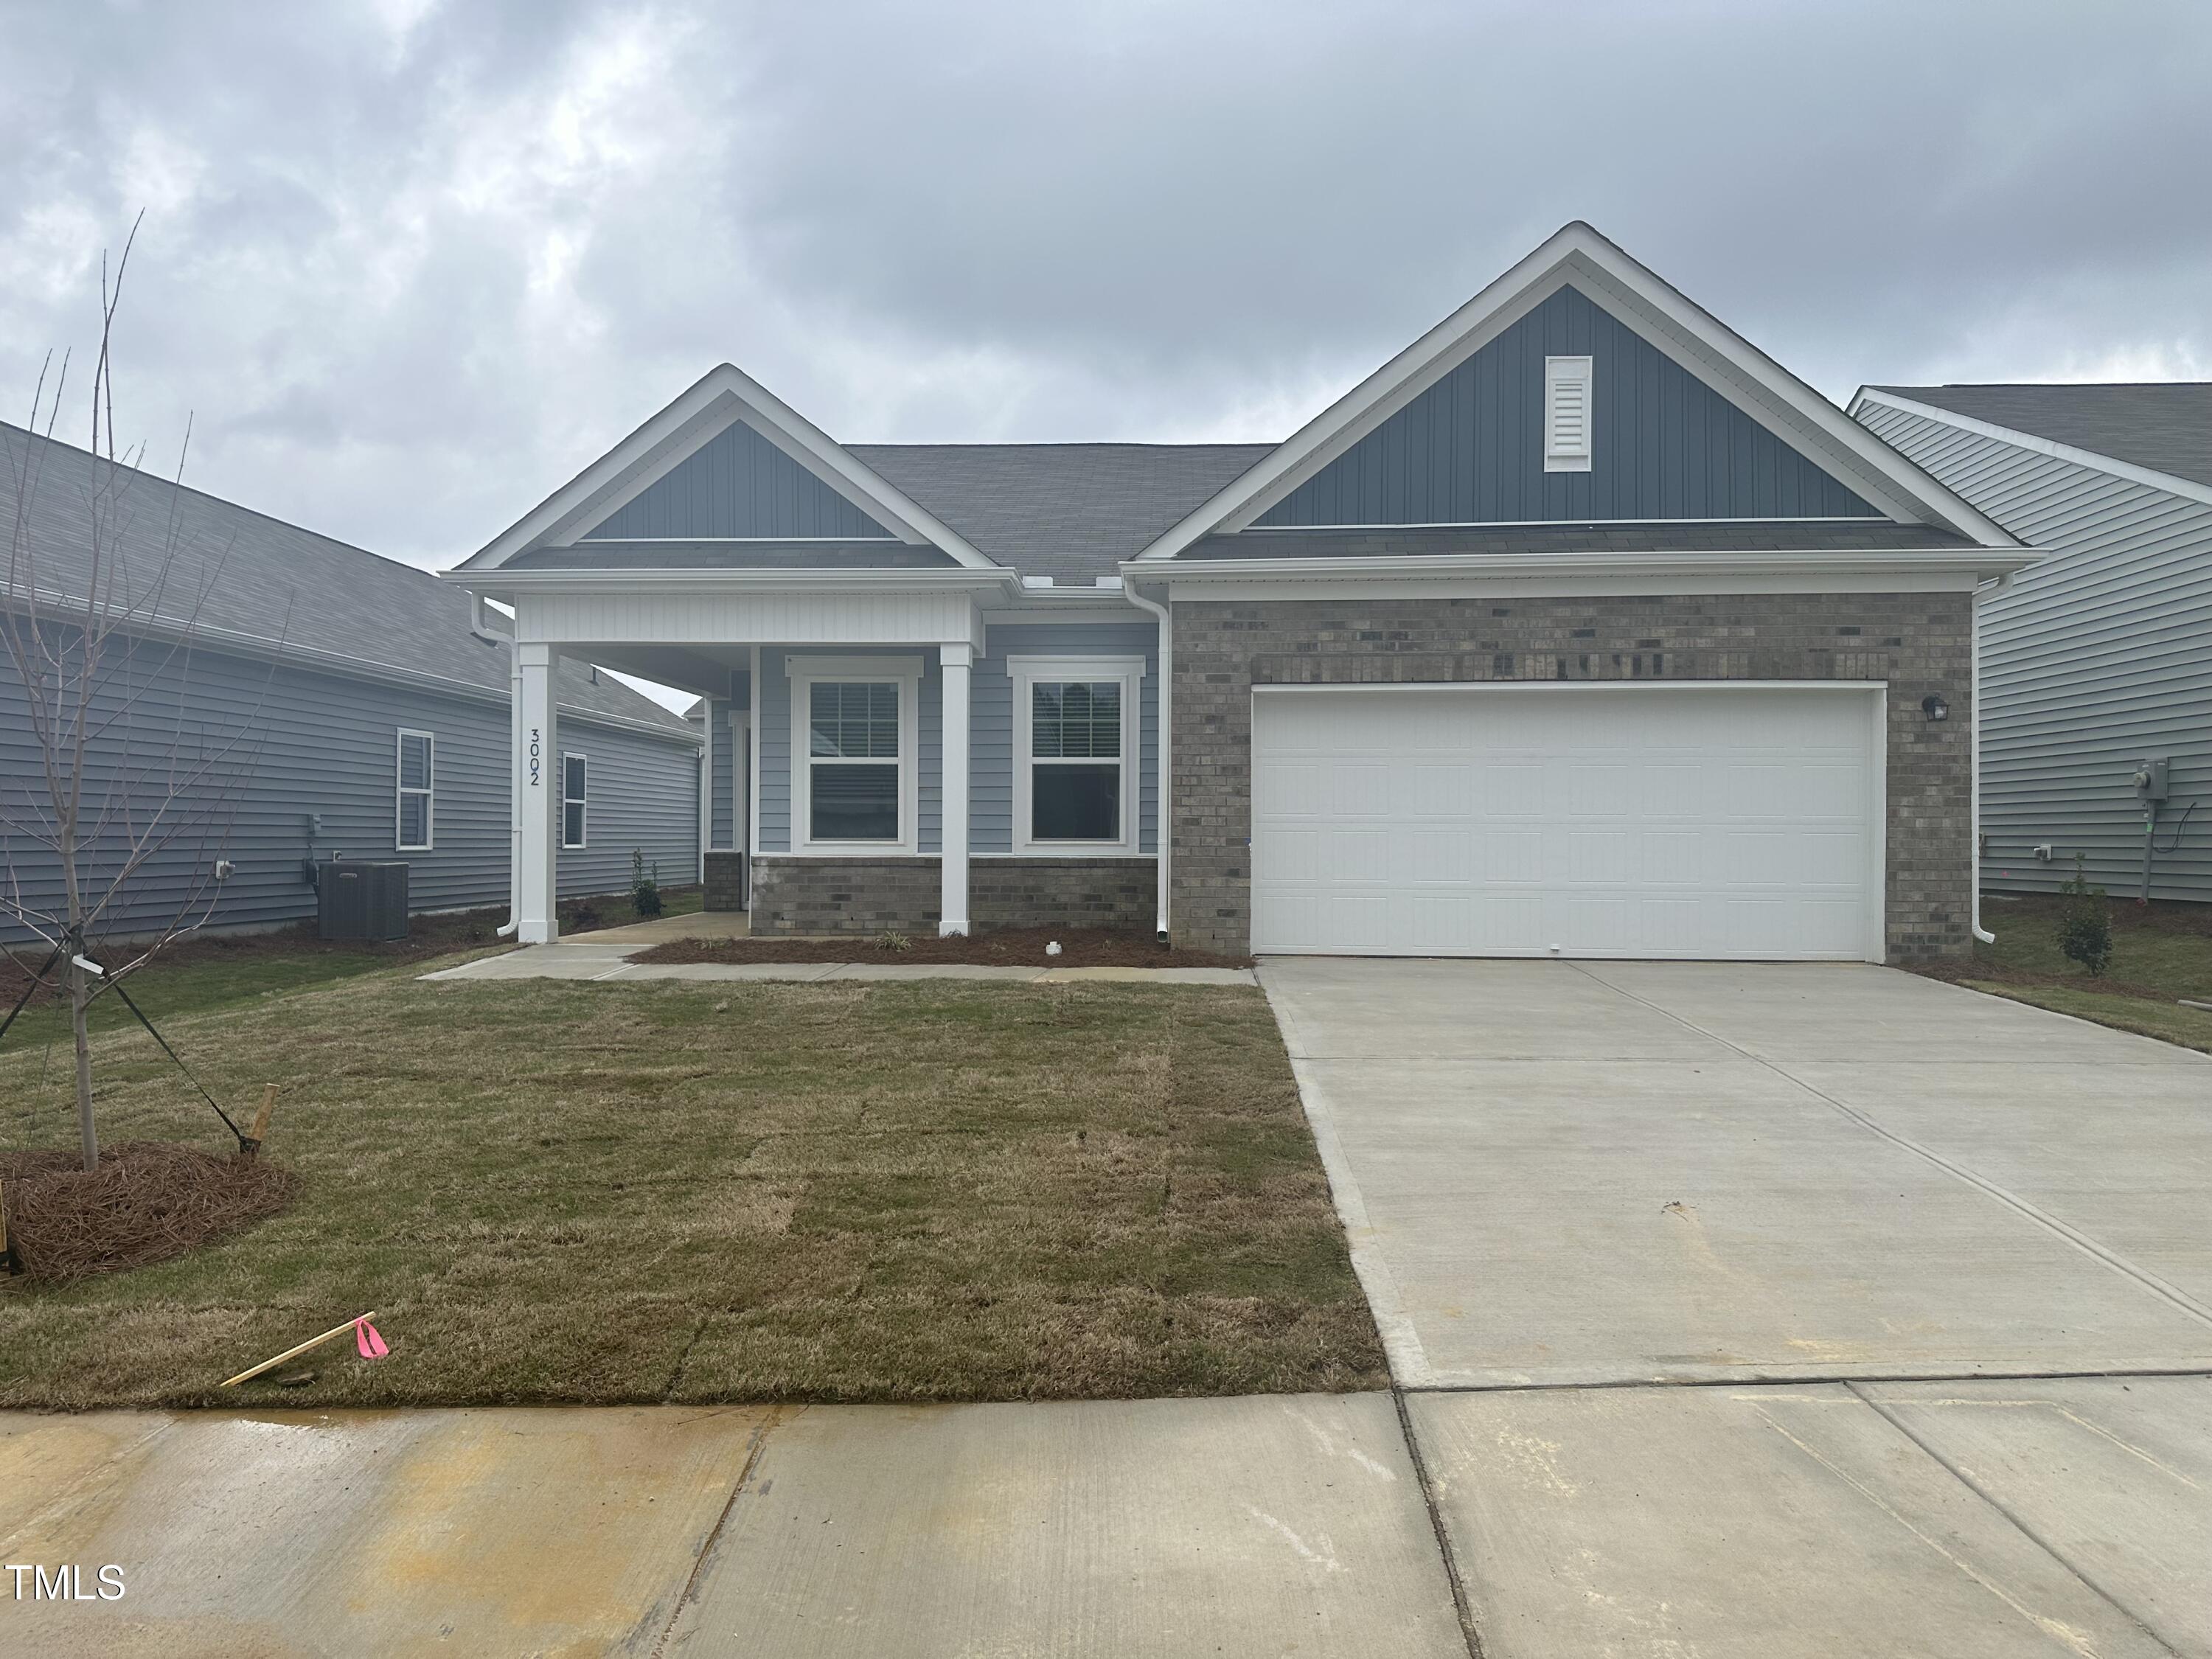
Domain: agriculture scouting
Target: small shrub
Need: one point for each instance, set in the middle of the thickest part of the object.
(892, 940)
(644, 885)
(2085, 924)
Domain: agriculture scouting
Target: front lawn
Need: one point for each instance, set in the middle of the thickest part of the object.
(212, 969)
(559, 1192)
(2161, 953)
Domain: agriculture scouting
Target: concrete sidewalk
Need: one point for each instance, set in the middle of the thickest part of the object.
(588, 957)
(1287, 1525)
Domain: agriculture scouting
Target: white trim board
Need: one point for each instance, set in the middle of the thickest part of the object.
(1637, 298)
(1025, 669)
(709, 406)
(2094, 460)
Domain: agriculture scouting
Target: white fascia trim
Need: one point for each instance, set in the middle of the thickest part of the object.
(1544, 524)
(709, 406)
(495, 582)
(2186, 488)
(1476, 567)
(1705, 346)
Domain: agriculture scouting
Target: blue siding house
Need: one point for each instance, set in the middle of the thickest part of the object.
(320, 701)
(1579, 628)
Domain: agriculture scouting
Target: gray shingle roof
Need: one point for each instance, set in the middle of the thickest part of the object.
(2166, 426)
(232, 569)
(1068, 510)
(1660, 536)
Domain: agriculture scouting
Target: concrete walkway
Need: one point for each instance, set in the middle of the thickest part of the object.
(594, 957)
(1840, 1203)
(1291, 1525)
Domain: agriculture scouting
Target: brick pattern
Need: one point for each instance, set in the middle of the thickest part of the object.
(1921, 643)
(726, 881)
(864, 895)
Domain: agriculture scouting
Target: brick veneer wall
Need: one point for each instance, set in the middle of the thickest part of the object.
(726, 881)
(867, 894)
(1919, 642)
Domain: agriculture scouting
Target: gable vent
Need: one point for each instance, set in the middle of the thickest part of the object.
(1567, 414)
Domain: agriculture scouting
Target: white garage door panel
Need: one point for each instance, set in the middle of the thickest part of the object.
(1642, 822)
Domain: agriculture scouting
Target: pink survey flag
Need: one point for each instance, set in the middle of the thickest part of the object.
(365, 1339)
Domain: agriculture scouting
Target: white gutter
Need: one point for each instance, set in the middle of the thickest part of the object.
(1413, 567)
(1164, 770)
(1974, 748)
(513, 785)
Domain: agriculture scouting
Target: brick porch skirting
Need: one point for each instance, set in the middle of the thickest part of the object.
(864, 895)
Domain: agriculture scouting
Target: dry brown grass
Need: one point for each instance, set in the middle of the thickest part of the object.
(608, 1193)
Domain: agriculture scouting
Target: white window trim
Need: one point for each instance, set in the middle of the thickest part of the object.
(1559, 371)
(904, 672)
(1026, 672)
(400, 792)
(583, 800)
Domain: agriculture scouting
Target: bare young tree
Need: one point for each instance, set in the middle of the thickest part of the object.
(99, 616)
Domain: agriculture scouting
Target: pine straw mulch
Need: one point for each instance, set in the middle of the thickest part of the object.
(1010, 947)
(147, 1202)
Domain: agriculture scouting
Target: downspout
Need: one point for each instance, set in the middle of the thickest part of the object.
(1163, 768)
(514, 783)
(1974, 747)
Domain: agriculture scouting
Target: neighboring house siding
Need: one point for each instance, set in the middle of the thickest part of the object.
(2096, 658)
(303, 742)
(1470, 449)
(644, 798)
(738, 484)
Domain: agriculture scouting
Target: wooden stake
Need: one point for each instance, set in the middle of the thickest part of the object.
(260, 1122)
(293, 1353)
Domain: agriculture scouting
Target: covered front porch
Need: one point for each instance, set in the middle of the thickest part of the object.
(859, 773)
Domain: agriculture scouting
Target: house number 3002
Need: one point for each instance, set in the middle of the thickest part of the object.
(537, 760)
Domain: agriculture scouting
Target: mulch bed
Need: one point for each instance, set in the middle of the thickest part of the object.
(1011, 947)
(147, 1202)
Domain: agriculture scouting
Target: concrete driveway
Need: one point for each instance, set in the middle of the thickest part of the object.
(1845, 1200)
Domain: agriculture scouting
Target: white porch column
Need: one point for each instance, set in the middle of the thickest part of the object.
(953, 792)
(540, 760)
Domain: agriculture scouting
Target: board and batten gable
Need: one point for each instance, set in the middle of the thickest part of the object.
(2097, 656)
(1470, 448)
(302, 742)
(737, 485)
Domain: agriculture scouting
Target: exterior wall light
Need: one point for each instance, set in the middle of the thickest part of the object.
(1934, 708)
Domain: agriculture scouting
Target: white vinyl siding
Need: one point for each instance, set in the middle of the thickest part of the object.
(1567, 414)
(575, 802)
(1725, 822)
(415, 790)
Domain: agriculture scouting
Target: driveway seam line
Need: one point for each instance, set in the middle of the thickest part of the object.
(1757, 1381)
(2081, 1240)
(1401, 1342)
(1461, 1604)
(774, 1419)
(2018, 1525)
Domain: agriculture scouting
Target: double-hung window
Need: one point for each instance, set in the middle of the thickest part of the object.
(853, 736)
(415, 789)
(576, 800)
(1075, 753)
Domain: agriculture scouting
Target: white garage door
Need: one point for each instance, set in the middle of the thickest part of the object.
(1581, 820)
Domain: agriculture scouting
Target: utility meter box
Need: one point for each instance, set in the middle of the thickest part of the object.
(2150, 779)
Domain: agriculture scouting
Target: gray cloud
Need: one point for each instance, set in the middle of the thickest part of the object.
(411, 265)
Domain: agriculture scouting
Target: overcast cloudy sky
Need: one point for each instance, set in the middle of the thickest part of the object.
(411, 264)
